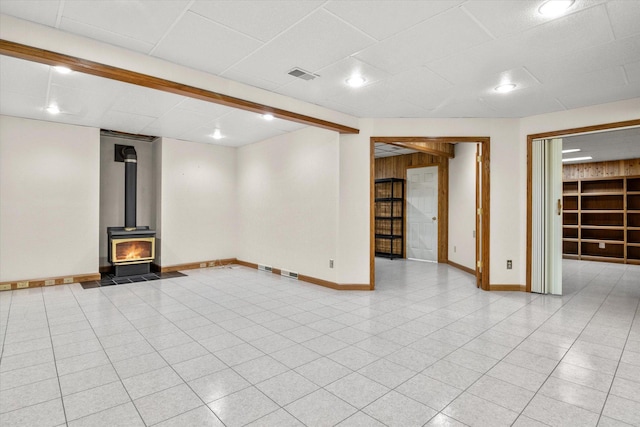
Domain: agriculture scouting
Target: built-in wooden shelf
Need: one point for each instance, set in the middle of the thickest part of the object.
(601, 217)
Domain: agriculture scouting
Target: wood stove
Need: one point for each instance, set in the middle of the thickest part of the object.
(132, 249)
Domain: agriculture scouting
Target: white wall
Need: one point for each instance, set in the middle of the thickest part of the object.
(112, 188)
(49, 199)
(462, 205)
(288, 202)
(197, 200)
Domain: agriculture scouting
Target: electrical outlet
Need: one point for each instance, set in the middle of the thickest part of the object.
(22, 285)
(5, 287)
(50, 282)
(330, 263)
(509, 264)
(601, 245)
(67, 280)
(203, 264)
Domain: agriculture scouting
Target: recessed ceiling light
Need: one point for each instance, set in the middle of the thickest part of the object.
(216, 134)
(267, 117)
(571, 150)
(577, 159)
(356, 80)
(61, 69)
(554, 7)
(505, 88)
(53, 109)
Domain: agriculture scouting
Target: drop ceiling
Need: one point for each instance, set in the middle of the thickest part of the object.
(419, 58)
(604, 146)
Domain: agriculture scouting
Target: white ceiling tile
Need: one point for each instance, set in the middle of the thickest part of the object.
(137, 19)
(440, 36)
(200, 43)
(501, 17)
(254, 79)
(470, 108)
(203, 107)
(600, 95)
(176, 123)
(262, 20)
(523, 103)
(605, 55)
(24, 77)
(314, 43)
(417, 84)
(625, 17)
(381, 19)
(43, 11)
(146, 102)
(487, 59)
(562, 36)
(633, 72)
(21, 105)
(106, 36)
(90, 104)
(607, 78)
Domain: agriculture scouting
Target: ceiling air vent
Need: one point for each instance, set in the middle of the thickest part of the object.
(302, 74)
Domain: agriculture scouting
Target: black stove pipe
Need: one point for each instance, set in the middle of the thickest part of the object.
(130, 186)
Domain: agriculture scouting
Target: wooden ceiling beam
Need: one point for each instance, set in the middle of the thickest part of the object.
(48, 57)
(442, 147)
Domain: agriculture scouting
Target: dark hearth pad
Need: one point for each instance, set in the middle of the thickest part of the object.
(109, 279)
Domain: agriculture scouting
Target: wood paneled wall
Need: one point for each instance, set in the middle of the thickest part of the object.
(396, 167)
(601, 169)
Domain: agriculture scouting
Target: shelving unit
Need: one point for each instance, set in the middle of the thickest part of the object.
(389, 217)
(601, 219)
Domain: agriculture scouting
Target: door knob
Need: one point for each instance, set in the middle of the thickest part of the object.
(434, 218)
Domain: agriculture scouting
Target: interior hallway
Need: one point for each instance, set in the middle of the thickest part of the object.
(236, 346)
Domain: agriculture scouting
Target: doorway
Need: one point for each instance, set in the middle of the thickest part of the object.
(441, 148)
(422, 213)
(583, 216)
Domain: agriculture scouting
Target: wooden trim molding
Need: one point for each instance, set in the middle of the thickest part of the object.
(517, 288)
(195, 265)
(545, 135)
(462, 267)
(48, 57)
(313, 280)
(50, 281)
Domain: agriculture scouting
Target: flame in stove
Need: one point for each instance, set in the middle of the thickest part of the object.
(134, 252)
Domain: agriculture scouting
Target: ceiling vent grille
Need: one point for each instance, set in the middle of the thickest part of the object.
(302, 74)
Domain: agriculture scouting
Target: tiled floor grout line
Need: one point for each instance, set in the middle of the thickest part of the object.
(4, 334)
(55, 363)
(576, 339)
(476, 337)
(110, 362)
(635, 314)
(180, 376)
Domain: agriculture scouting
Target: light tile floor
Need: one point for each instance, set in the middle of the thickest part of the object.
(241, 347)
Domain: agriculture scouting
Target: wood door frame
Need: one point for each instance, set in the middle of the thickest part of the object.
(485, 141)
(547, 135)
(443, 210)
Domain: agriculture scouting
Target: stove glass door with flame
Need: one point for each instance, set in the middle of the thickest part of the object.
(132, 251)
